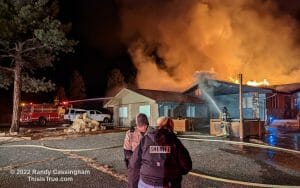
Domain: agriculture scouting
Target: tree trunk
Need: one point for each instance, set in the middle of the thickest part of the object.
(17, 95)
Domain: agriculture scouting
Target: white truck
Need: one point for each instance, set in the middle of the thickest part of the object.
(99, 116)
(71, 113)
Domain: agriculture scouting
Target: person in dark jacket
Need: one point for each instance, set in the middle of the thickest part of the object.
(160, 160)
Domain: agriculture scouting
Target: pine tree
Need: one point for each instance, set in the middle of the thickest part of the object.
(77, 88)
(30, 38)
(61, 93)
(115, 82)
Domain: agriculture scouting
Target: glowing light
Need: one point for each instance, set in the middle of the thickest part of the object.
(234, 80)
(23, 104)
(265, 82)
(272, 136)
(254, 83)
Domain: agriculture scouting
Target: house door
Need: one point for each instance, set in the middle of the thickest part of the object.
(123, 116)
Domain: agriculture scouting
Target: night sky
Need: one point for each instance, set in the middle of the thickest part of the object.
(96, 25)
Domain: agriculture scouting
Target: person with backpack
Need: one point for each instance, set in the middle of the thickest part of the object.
(160, 160)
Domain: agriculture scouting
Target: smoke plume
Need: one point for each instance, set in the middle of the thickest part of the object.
(224, 36)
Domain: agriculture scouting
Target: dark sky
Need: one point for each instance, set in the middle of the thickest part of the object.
(96, 25)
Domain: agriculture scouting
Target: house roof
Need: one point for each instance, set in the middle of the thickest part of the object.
(167, 96)
(287, 88)
(222, 88)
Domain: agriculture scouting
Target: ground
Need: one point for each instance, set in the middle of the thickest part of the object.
(98, 161)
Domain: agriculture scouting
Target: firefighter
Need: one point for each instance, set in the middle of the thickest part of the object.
(225, 114)
(134, 135)
(160, 160)
(225, 124)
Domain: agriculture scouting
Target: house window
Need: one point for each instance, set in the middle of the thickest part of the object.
(123, 112)
(248, 102)
(190, 111)
(145, 109)
(167, 111)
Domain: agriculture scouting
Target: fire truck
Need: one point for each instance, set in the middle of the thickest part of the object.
(41, 114)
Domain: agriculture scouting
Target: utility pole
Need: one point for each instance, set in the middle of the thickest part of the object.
(241, 130)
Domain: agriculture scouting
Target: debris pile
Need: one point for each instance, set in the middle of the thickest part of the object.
(83, 123)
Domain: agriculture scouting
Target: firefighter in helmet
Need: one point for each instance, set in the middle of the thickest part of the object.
(225, 124)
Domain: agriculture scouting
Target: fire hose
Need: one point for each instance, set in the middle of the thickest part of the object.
(239, 143)
(191, 173)
(243, 143)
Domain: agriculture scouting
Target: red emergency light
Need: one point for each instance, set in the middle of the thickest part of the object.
(65, 103)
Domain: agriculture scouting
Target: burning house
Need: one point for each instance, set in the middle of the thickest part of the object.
(221, 94)
(203, 102)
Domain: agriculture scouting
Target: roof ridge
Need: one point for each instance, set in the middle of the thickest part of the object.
(137, 89)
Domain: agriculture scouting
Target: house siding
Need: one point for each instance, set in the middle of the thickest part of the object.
(132, 101)
(231, 102)
(178, 111)
(116, 116)
(257, 109)
(124, 121)
(283, 105)
(133, 110)
(154, 114)
(262, 107)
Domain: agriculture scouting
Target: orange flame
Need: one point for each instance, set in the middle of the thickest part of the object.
(254, 83)
(234, 80)
(265, 82)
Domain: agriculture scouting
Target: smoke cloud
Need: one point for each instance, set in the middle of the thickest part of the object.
(222, 36)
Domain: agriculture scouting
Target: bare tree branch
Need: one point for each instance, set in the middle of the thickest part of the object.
(8, 56)
(7, 69)
(4, 51)
(29, 40)
(33, 48)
